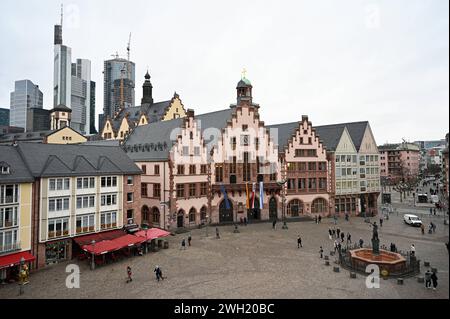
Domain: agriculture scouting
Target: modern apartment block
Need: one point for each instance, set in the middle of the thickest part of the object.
(76, 190)
(399, 161)
(26, 96)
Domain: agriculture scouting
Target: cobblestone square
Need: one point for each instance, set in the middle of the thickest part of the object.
(258, 262)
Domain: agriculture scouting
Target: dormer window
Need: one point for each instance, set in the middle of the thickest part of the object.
(4, 169)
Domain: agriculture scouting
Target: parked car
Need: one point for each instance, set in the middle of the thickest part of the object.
(412, 220)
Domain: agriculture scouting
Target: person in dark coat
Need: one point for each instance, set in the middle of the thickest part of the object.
(299, 242)
(428, 279)
(361, 243)
(183, 244)
(274, 224)
(434, 279)
(321, 252)
(129, 279)
(381, 222)
(342, 237)
(320, 219)
(189, 239)
(217, 233)
(338, 231)
(349, 238)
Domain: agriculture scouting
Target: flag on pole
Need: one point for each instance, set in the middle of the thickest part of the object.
(248, 195)
(253, 194)
(261, 195)
(225, 196)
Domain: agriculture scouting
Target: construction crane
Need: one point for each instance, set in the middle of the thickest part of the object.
(128, 58)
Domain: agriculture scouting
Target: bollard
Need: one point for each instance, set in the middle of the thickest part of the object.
(326, 257)
(336, 269)
(327, 262)
(331, 253)
(399, 281)
(352, 275)
(426, 263)
(420, 279)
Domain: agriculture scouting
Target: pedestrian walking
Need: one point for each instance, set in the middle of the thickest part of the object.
(335, 245)
(129, 279)
(381, 222)
(434, 279)
(274, 224)
(349, 238)
(183, 244)
(428, 279)
(434, 211)
(189, 240)
(431, 211)
(342, 237)
(321, 252)
(330, 234)
(333, 231)
(157, 272)
(320, 219)
(335, 219)
(299, 242)
(413, 250)
(338, 231)
(361, 243)
(245, 221)
(433, 227)
(422, 227)
(346, 217)
(217, 233)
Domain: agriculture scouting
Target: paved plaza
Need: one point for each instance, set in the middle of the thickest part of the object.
(258, 262)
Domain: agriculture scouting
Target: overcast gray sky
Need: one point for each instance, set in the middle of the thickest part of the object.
(335, 61)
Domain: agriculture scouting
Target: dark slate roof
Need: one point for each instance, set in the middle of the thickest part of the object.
(355, 129)
(152, 142)
(26, 136)
(103, 142)
(283, 132)
(330, 135)
(46, 160)
(154, 112)
(19, 173)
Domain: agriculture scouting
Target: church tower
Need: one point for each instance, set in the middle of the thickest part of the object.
(147, 89)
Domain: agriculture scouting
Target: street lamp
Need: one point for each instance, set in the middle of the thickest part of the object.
(93, 256)
(207, 223)
(283, 203)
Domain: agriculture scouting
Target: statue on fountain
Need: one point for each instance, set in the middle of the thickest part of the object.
(375, 239)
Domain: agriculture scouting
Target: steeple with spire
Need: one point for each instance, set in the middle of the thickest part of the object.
(244, 89)
(147, 89)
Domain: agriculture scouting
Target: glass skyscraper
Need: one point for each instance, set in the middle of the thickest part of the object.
(26, 95)
(117, 69)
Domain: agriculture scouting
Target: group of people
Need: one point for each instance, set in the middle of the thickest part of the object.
(336, 233)
(183, 242)
(431, 278)
(157, 271)
(318, 219)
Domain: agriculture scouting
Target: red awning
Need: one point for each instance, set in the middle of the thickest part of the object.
(152, 233)
(107, 246)
(14, 259)
(98, 237)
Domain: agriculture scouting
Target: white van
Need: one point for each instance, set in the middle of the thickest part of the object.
(412, 220)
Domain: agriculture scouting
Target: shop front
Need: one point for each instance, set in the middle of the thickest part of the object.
(57, 251)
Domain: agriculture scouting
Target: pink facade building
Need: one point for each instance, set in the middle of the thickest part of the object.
(399, 161)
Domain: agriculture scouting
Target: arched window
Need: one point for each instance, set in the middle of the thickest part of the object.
(155, 215)
(145, 214)
(319, 205)
(294, 208)
(192, 213)
(203, 214)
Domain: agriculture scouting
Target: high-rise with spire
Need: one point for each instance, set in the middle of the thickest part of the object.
(72, 84)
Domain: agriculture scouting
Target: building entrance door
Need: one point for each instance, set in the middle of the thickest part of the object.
(226, 214)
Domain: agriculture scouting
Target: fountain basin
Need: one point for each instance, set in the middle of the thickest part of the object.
(386, 260)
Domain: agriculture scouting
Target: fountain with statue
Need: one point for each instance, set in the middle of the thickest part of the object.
(390, 263)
